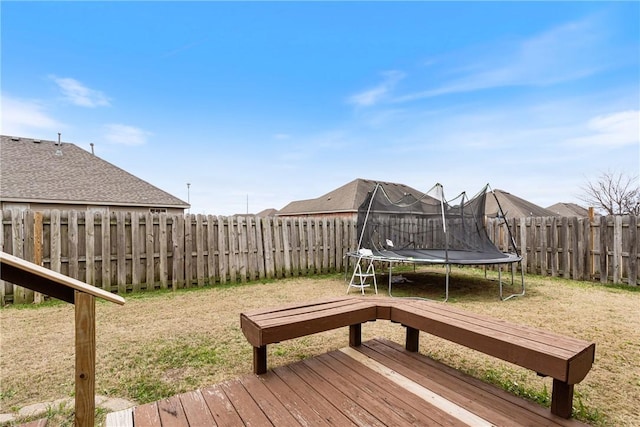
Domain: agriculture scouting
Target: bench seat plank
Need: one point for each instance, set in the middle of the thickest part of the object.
(266, 328)
(546, 353)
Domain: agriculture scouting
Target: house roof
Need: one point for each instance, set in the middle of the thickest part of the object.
(40, 171)
(267, 212)
(569, 209)
(513, 206)
(345, 199)
(349, 197)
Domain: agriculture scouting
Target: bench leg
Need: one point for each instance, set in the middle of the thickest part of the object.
(412, 342)
(260, 359)
(562, 399)
(355, 335)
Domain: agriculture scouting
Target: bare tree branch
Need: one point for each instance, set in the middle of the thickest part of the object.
(614, 193)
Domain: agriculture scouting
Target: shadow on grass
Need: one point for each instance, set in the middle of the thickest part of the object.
(464, 284)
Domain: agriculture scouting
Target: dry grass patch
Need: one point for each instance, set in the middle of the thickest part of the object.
(161, 344)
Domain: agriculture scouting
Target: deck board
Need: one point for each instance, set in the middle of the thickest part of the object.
(381, 384)
(220, 406)
(196, 410)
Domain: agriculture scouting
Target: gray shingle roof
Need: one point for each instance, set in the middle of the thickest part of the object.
(345, 199)
(569, 210)
(34, 171)
(513, 206)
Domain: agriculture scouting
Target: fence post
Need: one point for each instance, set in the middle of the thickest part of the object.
(592, 264)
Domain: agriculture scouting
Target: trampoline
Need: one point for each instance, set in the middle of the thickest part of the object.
(427, 229)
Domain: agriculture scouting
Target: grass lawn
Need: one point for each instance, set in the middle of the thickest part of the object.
(164, 343)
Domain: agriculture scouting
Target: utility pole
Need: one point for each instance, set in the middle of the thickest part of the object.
(188, 197)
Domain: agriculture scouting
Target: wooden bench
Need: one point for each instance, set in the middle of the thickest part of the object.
(566, 360)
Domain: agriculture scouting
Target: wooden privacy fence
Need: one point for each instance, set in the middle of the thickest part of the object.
(124, 251)
(604, 249)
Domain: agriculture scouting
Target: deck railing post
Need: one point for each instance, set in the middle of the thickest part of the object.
(85, 309)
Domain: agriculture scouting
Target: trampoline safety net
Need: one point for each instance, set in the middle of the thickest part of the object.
(429, 229)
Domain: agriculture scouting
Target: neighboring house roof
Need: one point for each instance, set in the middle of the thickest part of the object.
(345, 199)
(569, 209)
(267, 212)
(349, 197)
(39, 171)
(513, 206)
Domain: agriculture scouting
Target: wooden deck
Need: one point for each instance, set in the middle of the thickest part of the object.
(376, 384)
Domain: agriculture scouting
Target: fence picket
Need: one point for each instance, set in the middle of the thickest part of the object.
(233, 249)
(105, 250)
(604, 255)
(200, 250)
(242, 252)
(617, 249)
(150, 252)
(633, 251)
(277, 246)
(267, 232)
(223, 256)
(186, 240)
(121, 251)
(286, 246)
(90, 249)
(554, 247)
(212, 252)
(294, 239)
(260, 260)
(163, 264)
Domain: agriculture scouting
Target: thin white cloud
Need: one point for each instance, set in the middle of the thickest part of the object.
(125, 135)
(374, 95)
(79, 94)
(26, 117)
(564, 53)
(611, 130)
(282, 136)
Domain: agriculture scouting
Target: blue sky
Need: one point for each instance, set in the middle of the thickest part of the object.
(259, 104)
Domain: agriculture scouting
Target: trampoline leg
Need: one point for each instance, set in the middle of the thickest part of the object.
(390, 264)
(446, 290)
(512, 282)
